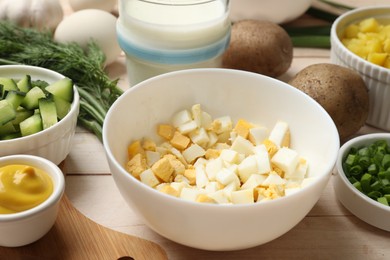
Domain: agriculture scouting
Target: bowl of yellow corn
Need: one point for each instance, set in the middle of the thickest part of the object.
(360, 40)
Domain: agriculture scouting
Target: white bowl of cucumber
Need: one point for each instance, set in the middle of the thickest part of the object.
(38, 112)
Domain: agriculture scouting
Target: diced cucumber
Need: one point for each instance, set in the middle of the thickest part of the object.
(7, 128)
(10, 136)
(15, 98)
(62, 106)
(62, 88)
(31, 125)
(39, 83)
(30, 101)
(24, 84)
(48, 111)
(27, 106)
(7, 112)
(21, 114)
(8, 83)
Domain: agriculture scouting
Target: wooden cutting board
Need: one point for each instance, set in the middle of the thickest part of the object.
(75, 237)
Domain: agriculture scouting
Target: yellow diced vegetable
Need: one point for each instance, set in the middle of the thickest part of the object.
(369, 25)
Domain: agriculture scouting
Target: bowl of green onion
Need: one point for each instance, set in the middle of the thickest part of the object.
(362, 181)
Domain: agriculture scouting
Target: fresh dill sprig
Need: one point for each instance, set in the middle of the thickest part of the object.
(85, 67)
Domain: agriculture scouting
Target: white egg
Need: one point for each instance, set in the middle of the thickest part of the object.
(84, 25)
(106, 5)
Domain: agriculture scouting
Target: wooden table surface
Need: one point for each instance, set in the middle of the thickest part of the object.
(329, 231)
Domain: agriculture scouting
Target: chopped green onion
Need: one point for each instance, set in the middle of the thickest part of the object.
(311, 41)
(365, 181)
(356, 170)
(383, 200)
(358, 185)
(386, 161)
(377, 185)
(364, 161)
(368, 170)
(308, 30)
(351, 159)
(374, 194)
(372, 169)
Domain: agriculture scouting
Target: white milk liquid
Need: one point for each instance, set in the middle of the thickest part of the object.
(175, 26)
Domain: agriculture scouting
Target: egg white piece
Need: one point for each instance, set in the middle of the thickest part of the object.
(258, 134)
(242, 197)
(181, 118)
(200, 137)
(286, 159)
(149, 178)
(278, 133)
(193, 152)
(242, 145)
(201, 177)
(254, 181)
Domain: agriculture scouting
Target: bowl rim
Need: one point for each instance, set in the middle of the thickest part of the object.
(56, 127)
(111, 158)
(51, 168)
(355, 142)
(336, 40)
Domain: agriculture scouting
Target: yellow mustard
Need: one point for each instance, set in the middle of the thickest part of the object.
(23, 187)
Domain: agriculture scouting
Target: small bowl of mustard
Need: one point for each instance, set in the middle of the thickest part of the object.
(31, 188)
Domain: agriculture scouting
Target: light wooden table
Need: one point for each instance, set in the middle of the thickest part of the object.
(329, 231)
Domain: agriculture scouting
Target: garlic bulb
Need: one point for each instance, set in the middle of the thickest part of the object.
(40, 14)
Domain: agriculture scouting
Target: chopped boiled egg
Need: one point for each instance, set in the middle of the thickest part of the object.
(258, 134)
(193, 152)
(187, 127)
(229, 155)
(210, 161)
(181, 118)
(149, 178)
(242, 197)
(222, 124)
(242, 128)
(254, 181)
(190, 193)
(200, 137)
(226, 176)
(286, 159)
(242, 145)
(280, 134)
(247, 167)
(180, 141)
(201, 177)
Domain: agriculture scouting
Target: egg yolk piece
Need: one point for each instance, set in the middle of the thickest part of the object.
(23, 187)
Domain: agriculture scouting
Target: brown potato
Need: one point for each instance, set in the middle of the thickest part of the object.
(340, 91)
(259, 46)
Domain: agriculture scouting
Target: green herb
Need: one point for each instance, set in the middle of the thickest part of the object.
(85, 67)
(311, 41)
(316, 36)
(368, 169)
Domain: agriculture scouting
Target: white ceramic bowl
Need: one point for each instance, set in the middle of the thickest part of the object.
(358, 203)
(277, 11)
(220, 92)
(377, 78)
(22, 228)
(53, 143)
